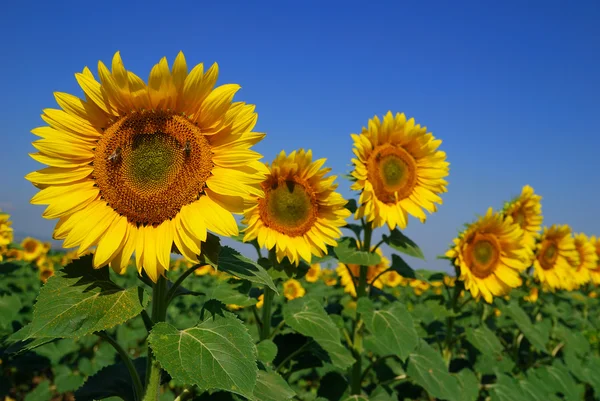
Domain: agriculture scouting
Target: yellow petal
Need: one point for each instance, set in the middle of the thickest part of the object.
(55, 175)
(112, 242)
(217, 219)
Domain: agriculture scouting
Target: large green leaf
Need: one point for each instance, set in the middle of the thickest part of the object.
(41, 393)
(381, 395)
(80, 300)
(507, 389)
(348, 253)
(272, 387)
(231, 292)
(485, 341)
(233, 262)
(216, 354)
(10, 305)
(536, 336)
(307, 317)
(267, 351)
(427, 368)
(113, 380)
(402, 243)
(469, 386)
(392, 327)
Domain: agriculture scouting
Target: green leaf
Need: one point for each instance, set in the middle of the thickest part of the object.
(271, 387)
(357, 398)
(381, 395)
(402, 243)
(507, 389)
(348, 253)
(57, 350)
(469, 386)
(232, 262)
(538, 338)
(355, 228)
(392, 327)
(427, 368)
(21, 342)
(216, 354)
(307, 317)
(231, 292)
(66, 380)
(113, 380)
(485, 341)
(10, 305)
(351, 205)
(41, 393)
(80, 300)
(402, 268)
(267, 351)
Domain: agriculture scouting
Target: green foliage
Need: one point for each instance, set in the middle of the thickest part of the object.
(347, 252)
(402, 243)
(427, 368)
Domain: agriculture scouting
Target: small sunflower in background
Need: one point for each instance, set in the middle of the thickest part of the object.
(393, 279)
(595, 272)
(146, 168)
(32, 249)
(292, 289)
(490, 254)
(419, 286)
(261, 301)
(584, 264)
(300, 212)
(313, 273)
(532, 296)
(329, 277)
(526, 212)
(349, 273)
(399, 171)
(555, 252)
(6, 231)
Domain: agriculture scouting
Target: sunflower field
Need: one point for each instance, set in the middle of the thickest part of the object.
(147, 303)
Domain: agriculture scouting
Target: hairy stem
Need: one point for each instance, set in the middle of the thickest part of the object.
(159, 314)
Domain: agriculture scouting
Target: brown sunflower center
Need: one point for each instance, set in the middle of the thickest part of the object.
(288, 207)
(30, 246)
(520, 218)
(485, 254)
(548, 256)
(392, 172)
(149, 164)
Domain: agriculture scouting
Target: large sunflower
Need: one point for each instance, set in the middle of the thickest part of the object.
(399, 171)
(490, 254)
(300, 213)
(595, 273)
(555, 252)
(584, 264)
(6, 231)
(350, 273)
(146, 168)
(526, 211)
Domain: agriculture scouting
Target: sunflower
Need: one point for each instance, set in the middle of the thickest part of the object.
(300, 214)
(349, 274)
(329, 277)
(490, 254)
(32, 249)
(532, 296)
(595, 273)
(399, 171)
(261, 301)
(6, 231)
(526, 211)
(146, 168)
(292, 289)
(584, 264)
(313, 274)
(393, 279)
(555, 252)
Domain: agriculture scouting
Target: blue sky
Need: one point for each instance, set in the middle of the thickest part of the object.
(510, 87)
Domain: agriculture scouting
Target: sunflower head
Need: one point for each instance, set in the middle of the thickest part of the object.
(300, 212)
(292, 289)
(313, 274)
(6, 231)
(582, 265)
(554, 256)
(32, 249)
(490, 254)
(349, 273)
(393, 279)
(595, 272)
(419, 286)
(526, 211)
(146, 167)
(399, 171)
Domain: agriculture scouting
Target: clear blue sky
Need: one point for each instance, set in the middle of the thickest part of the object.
(512, 88)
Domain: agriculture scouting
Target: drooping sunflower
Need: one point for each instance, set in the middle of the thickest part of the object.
(300, 213)
(313, 274)
(595, 273)
(32, 249)
(146, 168)
(399, 171)
(584, 264)
(490, 254)
(292, 289)
(526, 211)
(555, 252)
(6, 231)
(349, 273)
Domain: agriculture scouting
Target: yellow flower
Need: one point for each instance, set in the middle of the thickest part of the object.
(6, 231)
(313, 274)
(32, 249)
(450, 281)
(349, 274)
(595, 273)
(399, 171)
(533, 295)
(584, 264)
(14, 254)
(233, 307)
(554, 254)
(300, 214)
(437, 287)
(497, 312)
(46, 273)
(526, 211)
(490, 254)
(146, 168)
(204, 270)
(292, 289)
(593, 294)
(393, 279)
(419, 286)
(261, 301)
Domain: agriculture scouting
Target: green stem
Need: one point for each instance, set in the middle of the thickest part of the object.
(159, 313)
(265, 331)
(137, 383)
(361, 291)
(458, 287)
(173, 290)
